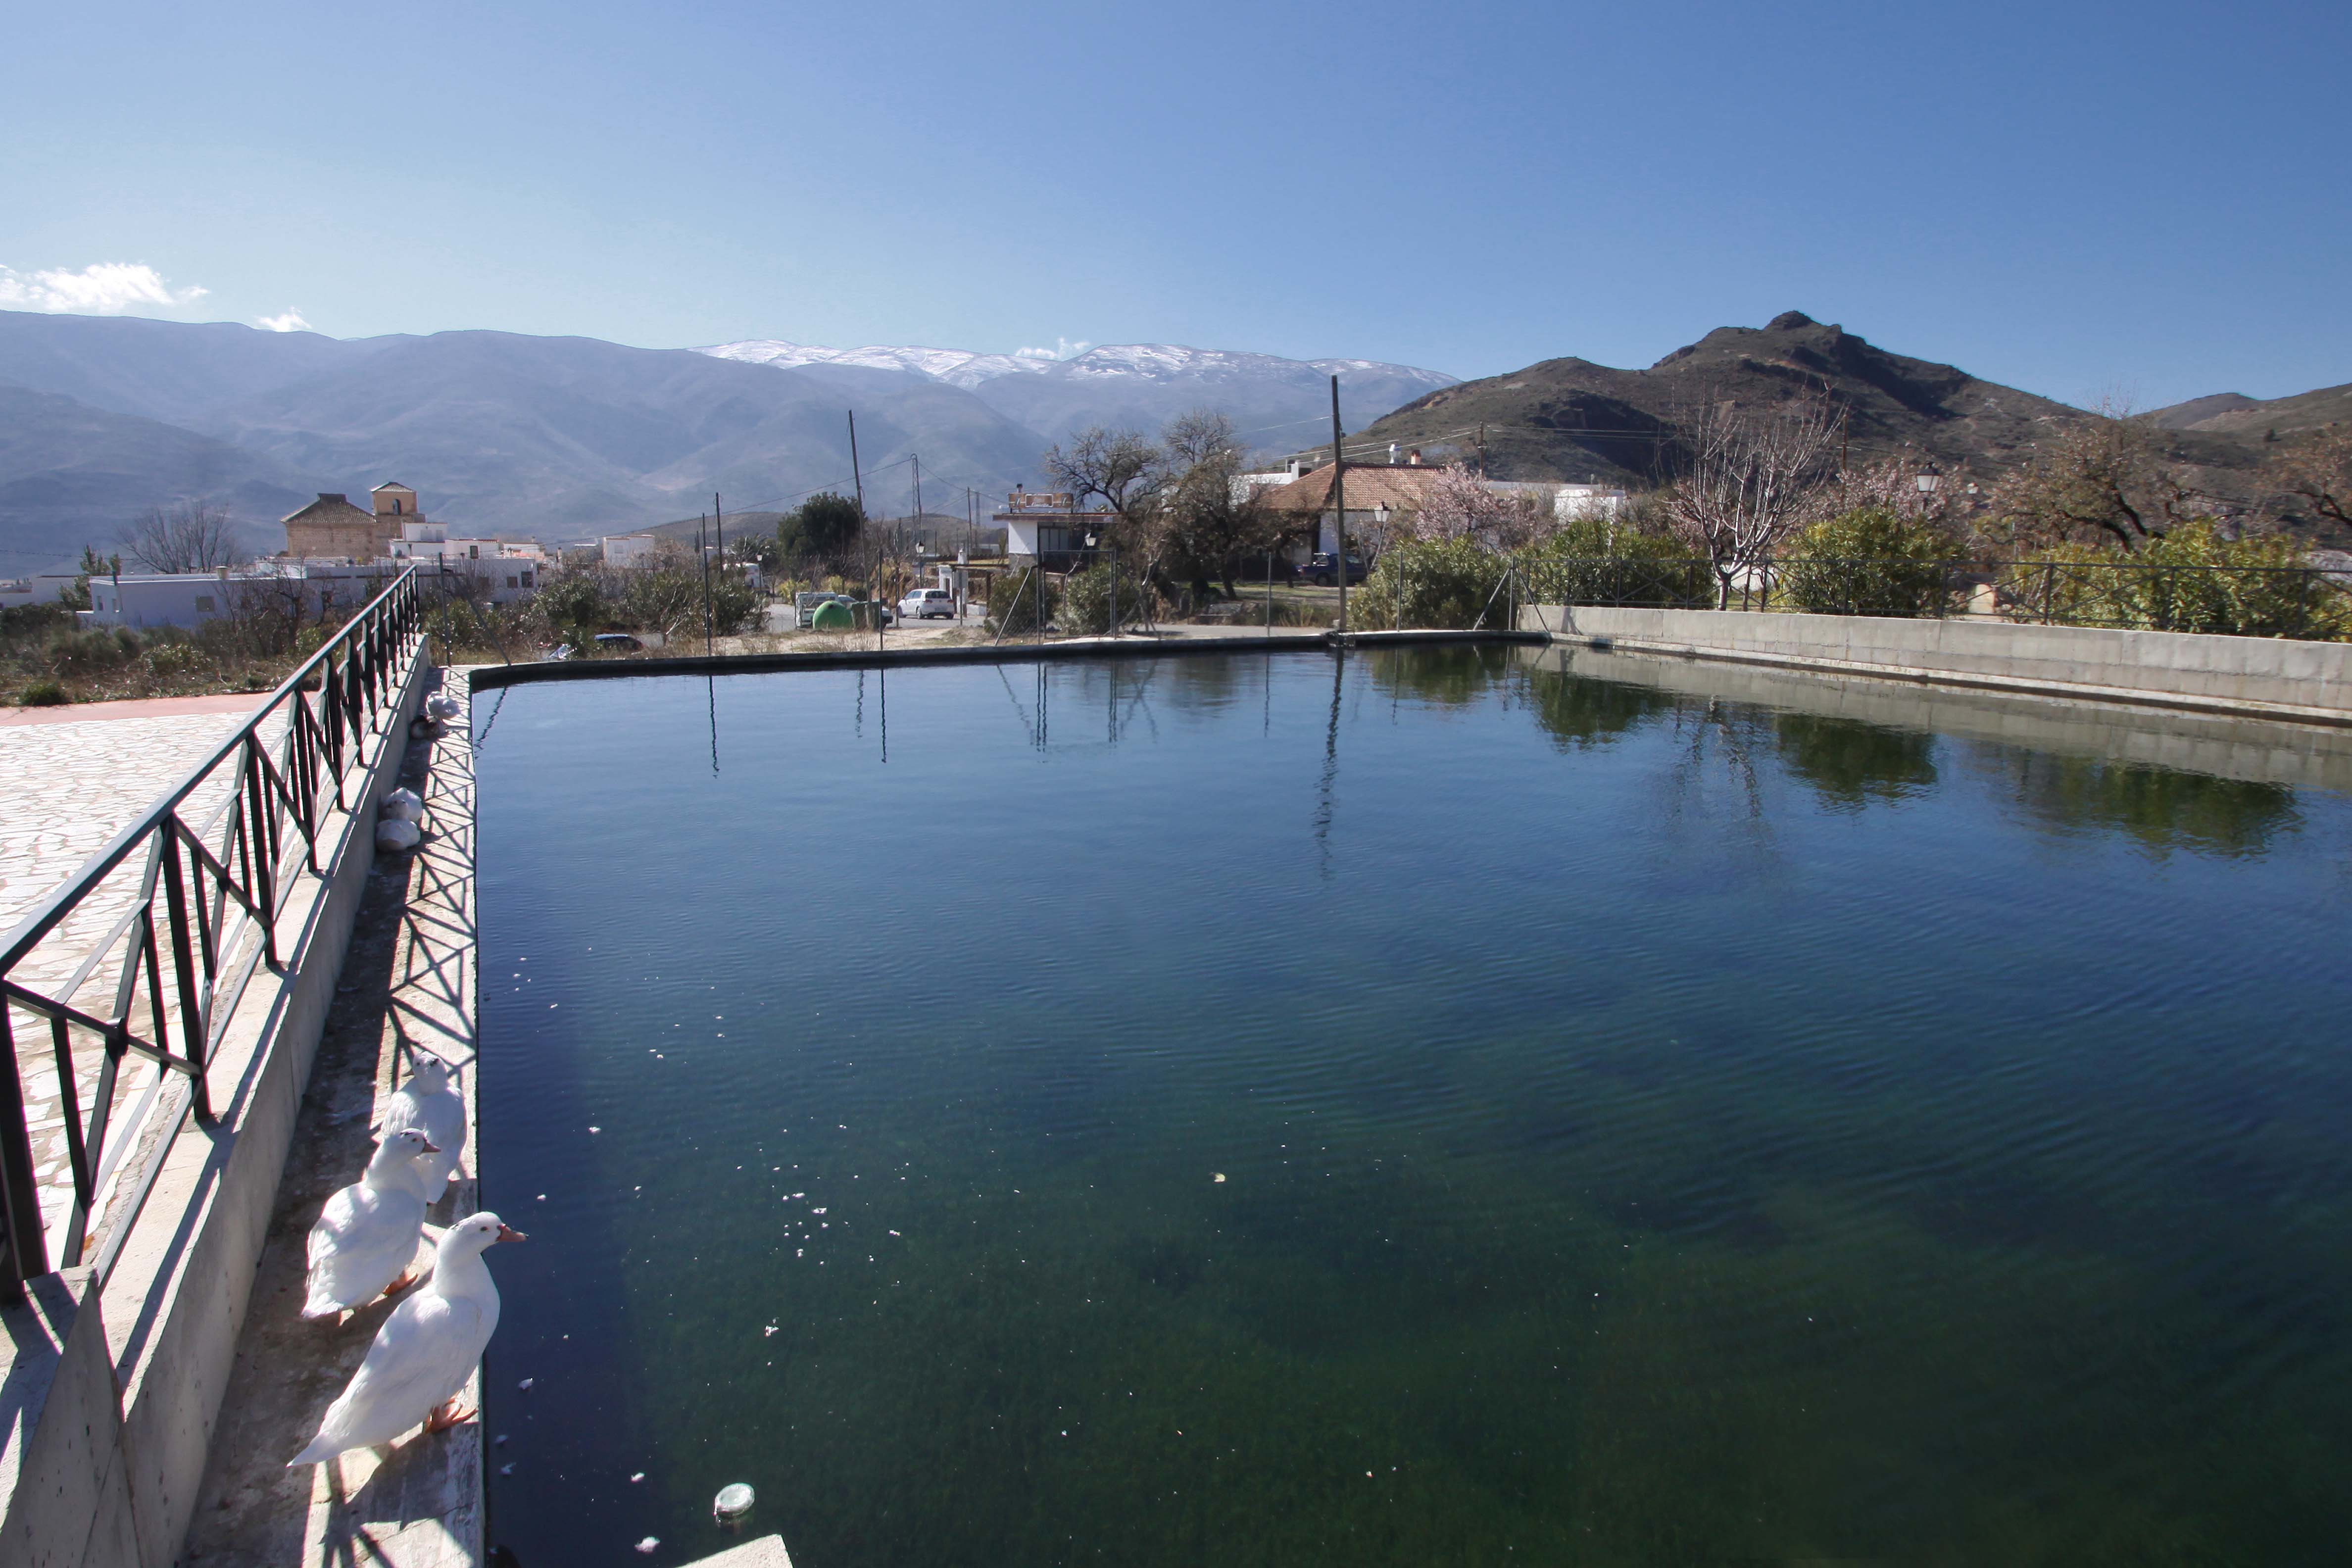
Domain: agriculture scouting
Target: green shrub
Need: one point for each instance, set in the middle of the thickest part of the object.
(1086, 601)
(1869, 562)
(42, 694)
(174, 661)
(1594, 561)
(92, 650)
(2192, 580)
(1429, 584)
(1014, 600)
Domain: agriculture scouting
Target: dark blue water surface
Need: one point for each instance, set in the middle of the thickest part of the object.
(1432, 1107)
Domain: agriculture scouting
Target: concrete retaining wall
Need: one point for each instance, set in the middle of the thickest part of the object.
(110, 1396)
(2271, 678)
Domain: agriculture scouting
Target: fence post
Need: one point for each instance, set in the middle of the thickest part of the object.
(24, 1248)
(183, 968)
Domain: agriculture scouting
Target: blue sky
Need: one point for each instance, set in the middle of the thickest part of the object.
(2147, 200)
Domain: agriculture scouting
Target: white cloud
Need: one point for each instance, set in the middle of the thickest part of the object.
(102, 287)
(1063, 349)
(291, 321)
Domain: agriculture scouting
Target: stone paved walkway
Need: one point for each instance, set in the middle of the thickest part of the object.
(67, 788)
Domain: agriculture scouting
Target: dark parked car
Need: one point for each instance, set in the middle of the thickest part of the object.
(617, 642)
(1322, 570)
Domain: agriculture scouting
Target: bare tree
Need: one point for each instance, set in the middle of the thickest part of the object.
(187, 536)
(2107, 478)
(1194, 437)
(2314, 475)
(1111, 466)
(1750, 479)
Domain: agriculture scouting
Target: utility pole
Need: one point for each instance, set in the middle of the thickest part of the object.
(1339, 506)
(855, 476)
(701, 549)
(917, 457)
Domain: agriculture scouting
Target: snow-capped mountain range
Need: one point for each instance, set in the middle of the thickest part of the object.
(1149, 362)
(1275, 402)
(957, 367)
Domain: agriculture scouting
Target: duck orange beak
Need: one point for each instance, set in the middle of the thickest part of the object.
(509, 1233)
(431, 1147)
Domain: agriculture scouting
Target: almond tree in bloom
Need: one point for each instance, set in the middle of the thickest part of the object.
(1459, 505)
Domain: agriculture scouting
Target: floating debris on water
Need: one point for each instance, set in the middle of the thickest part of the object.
(526, 1382)
(635, 1479)
(733, 1501)
(648, 1544)
(1217, 1176)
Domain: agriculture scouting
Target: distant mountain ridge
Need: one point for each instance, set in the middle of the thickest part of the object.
(564, 438)
(1573, 419)
(1270, 398)
(2256, 419)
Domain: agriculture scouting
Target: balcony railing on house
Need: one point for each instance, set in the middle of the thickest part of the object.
(201, 880)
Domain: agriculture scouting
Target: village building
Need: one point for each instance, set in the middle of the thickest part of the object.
(1377, 492)
(1374, 492)
(629, 549)
(332, 529)
(1047, 527)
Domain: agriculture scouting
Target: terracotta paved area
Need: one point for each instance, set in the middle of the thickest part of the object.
(139, 707)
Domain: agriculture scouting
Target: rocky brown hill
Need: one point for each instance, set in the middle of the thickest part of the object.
(1573, 419)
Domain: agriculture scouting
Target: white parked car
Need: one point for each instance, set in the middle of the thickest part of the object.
(925, 603)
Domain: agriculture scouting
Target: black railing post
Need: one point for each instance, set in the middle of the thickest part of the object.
(184, 970)
(85, 1187)
(24, 1247)
(262, 841)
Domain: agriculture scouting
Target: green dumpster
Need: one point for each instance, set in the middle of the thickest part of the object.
(833, 616)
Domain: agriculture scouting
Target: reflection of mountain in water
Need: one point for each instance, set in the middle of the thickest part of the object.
(1851, 763)
(2161, 809)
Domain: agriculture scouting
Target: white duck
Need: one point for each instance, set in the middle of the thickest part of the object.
(366, 1233)
(424, 1352)
(428, 1103)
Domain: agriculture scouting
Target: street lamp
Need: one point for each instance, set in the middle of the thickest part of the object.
(1929, 479)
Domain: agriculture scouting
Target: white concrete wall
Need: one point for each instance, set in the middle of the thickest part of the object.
(2267, 676)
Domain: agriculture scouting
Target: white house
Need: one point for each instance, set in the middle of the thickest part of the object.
(144, 599)
(629, 549)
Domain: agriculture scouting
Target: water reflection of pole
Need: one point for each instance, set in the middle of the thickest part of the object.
(1330, 766)
(483, 738)
(1266, 732)
(711, 687)
(882, 680)
(857, 727)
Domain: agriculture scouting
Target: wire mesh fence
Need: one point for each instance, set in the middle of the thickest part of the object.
(2308, 602)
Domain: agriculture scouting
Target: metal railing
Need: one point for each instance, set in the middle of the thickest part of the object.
(2294, 602)
(224, 850)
